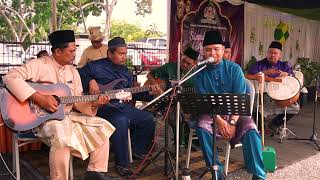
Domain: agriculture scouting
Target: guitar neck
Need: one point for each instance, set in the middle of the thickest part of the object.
(83, 98)
(132, 90)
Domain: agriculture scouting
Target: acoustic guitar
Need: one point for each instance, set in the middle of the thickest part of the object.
(23, 116)
(164, 85)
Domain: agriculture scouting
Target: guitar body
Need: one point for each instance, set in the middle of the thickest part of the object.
(22, 116)
(160, 82)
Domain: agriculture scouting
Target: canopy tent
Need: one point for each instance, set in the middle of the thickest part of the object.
(298, 35)
(309, 9)
(252, 29)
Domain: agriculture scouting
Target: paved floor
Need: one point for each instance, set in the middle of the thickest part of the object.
(295, 159)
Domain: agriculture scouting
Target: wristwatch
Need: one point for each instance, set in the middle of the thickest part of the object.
(233, 122)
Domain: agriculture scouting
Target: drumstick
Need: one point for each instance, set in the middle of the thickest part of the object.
(261, 106)
(266, 78)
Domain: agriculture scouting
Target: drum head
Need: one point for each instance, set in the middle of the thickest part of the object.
(288, 88)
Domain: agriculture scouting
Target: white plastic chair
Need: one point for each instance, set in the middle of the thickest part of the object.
(251, 91)
(18, 140)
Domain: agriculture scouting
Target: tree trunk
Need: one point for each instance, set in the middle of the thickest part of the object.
(108, 9)
(106, 26)
(82, 16)
(54, 14)
(13, 30)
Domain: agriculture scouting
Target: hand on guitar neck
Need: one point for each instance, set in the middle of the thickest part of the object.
(50, 103)
(94, 87)
(158, 85)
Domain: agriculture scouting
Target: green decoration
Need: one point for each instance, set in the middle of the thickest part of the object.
(261, 49)
(281, 33)
(252, 36)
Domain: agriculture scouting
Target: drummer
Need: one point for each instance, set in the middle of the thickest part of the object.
(273, 67)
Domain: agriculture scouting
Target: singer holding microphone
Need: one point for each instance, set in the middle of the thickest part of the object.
(223, 76)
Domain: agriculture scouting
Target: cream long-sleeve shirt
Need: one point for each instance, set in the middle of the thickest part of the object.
(43, 70)
(91, 54)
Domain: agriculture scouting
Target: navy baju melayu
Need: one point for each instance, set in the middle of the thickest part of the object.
(121, 115)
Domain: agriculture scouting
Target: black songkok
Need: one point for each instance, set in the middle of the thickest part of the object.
(116, 42)
(226, 44)
(61, 37)
(212, 37)
(191, 53)
(276, 44)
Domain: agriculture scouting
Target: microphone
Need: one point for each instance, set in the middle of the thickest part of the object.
(206, 61)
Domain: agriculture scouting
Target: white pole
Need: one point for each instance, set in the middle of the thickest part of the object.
(178, 114)
(168, 28)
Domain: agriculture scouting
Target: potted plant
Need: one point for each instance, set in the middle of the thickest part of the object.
(250, 63)
(310, 70)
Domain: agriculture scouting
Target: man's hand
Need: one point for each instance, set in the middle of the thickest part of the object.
(227, 131)
(283, 74)
(100, 101)
(271, 71)
(223, 127)
(93, 87)
(156, 90)
(46, 102)
(232, 131)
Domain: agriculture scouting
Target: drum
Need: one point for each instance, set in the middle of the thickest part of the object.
(287, 92)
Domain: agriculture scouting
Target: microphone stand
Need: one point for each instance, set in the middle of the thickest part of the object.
(178, 86)
(313, 138)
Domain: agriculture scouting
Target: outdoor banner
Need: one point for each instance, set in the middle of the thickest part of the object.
(190, 19)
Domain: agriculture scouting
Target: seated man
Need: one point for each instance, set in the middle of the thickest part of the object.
(224, 76)
(272, 67)
(168, 72)
(121, 115)
(77, 134)
(97, 50)
(227, 50)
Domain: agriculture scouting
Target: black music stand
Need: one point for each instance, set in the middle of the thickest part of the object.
(212, 104)
(313, 138)
(158, 105)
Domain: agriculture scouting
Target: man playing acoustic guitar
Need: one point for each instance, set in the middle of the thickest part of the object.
(167, 72)
(77, 134)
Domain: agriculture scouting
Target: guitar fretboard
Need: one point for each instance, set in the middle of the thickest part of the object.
(83, 98)
(111, 94)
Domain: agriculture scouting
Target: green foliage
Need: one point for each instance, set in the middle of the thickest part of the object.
(309, 69)
(143, 7)
(132, 32)
(129, 32)
(39, 13)
(153, 31)
(250, 63)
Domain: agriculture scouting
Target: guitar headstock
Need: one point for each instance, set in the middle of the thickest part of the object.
(124, 96)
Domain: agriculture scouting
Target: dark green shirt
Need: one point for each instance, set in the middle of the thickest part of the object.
(168, 72)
